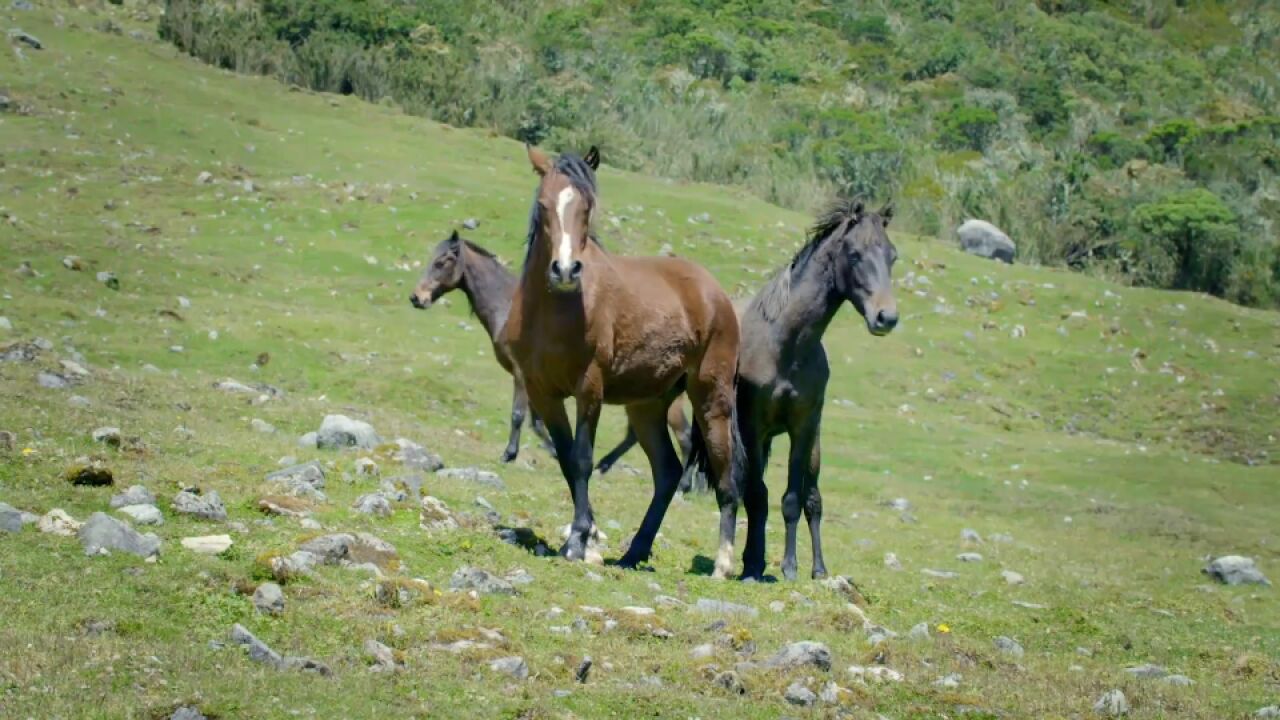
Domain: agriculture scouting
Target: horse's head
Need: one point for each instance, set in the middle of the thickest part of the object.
(864, 266)
(443, 273)
(562, 213)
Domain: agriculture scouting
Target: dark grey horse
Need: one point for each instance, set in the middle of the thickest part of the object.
(458, 264)
(783, 369)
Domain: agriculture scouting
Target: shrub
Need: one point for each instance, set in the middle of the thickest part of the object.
(1188, 240)
(967, 128)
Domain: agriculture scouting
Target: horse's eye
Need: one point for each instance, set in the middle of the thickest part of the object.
(855, 256)
(438, 264)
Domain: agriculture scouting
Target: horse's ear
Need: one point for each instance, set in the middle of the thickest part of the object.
(857, 209)
(593, 157)
(886, 213)
(540, 161)
(454, 239)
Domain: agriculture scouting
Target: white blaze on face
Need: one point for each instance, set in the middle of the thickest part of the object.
(566, 196)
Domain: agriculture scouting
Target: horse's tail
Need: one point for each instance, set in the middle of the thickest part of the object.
(697, 467)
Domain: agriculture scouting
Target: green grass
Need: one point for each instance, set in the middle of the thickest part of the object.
(979, 429)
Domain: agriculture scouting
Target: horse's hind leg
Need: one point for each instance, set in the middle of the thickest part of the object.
(813, 510)
(755, 496)
(651, 431)
(519, 406)
(712, 394)
(607, 462)
(680, 427)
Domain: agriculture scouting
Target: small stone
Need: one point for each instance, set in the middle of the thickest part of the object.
(383, 657)
(899, 504)
(340, 431)
(919, 631)
(309, 440)
(135, 495)
(258, 650)
(300, 563)
(435, 515)
(268, 599)
(366, 466)
(1269, 712)
(471, 223)
(1112, 704)
(1001, 538)
(416, 457)
(186, 712)
(1008, 646)
(1235, 570)
(969, 557)
(940, 574)
(514, 666)
(777, 606)
(11, 518)
(798, 694)
(1012, 578)
(729, 680)
(970, 535)
(58, 522)
(583, 670)
(473, 475)
(102, 532)
(723, 608)
(52, 381)
(1028, 605)
(876, 675)
(373, 504)
(798, 654)
(831, 693)
(891, 561)
(206, 506)
(262, 426)
(109, 279)
(948, 682)
(5, 324)
(107, 436)
(1178, 680)
(73, 262)
(208, 544)
(482, 581)
(285, 506)
(204, 178)
(142, 514)
(703, 651)
(78, 401)
(1147, 671)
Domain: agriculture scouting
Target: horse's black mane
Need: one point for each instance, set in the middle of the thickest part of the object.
(843, 214)
(583, 180)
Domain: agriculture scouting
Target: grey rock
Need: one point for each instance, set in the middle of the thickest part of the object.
(723, 608)
(1112, 704)
(798, 694)
(340, 431)
(1012, 578)
(948, 682)
(970, 535)
(383, 658)
(729, 680)
(103, 532)
(799, 654)
(514, 666)
(1008, 646)
(482, 581)
(262, 426)
(308, 440)
(1270, 711)
(52, 381)
(26, 38)
(969, 557)
(234, 386)
(305, 664)
(258, 650)
(891, 561)
(1235, 570)
(1147, 671)
(10, 518)
(21, 5)
(473, 475)
(830, 693)
(300, 563)
(373, 504)
(79, 401)
(919, 631)
(5, 324)
(269, 599)
(330, 549)
(143, 514)
(702, 218)
(109, 279)
(1178, 680)
(305, 480)
(135, 495)
(471, 223)
(186, 712)
(1029, 605)
(899, 504)
(703, 651)
(207, 506)
(981, 238)
(940, 574)
(1001, 538)
(416, 457)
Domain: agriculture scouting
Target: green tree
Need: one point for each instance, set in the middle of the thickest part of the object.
(1188, 240)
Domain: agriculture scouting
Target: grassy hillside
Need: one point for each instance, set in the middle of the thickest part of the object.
(1102, 440)
(1135, 139)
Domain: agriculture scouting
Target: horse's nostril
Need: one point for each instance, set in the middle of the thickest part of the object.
(576, 270)
(555, 268)
(886, 319)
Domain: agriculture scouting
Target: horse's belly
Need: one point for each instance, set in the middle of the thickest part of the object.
(644, 371)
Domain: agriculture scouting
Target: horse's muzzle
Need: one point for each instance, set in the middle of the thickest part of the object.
(418, 302)
(884, 322)
(561, 279)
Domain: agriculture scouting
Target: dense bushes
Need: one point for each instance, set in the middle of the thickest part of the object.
(1092, 140)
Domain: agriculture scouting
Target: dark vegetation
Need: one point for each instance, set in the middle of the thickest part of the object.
(1133, 138)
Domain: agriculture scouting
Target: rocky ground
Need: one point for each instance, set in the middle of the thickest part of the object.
(241, 477)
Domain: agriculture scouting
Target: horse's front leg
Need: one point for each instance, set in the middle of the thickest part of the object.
(578, 466)
(519, 406)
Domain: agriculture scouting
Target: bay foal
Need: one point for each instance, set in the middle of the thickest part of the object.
(602, 329)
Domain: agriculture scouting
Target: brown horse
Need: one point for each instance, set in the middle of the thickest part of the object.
(783, 372)
(459, 264)
(628, 331)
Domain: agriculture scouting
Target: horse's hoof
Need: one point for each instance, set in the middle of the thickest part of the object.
(603, 468)
(819, 573)
(789, 572)
(572, 551)
(752, 573)
(509, 455)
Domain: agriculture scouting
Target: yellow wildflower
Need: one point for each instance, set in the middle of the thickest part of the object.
(944, 628)
(26, 451)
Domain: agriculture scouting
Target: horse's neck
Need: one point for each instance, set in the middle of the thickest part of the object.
(488, 287)
(812, 303)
